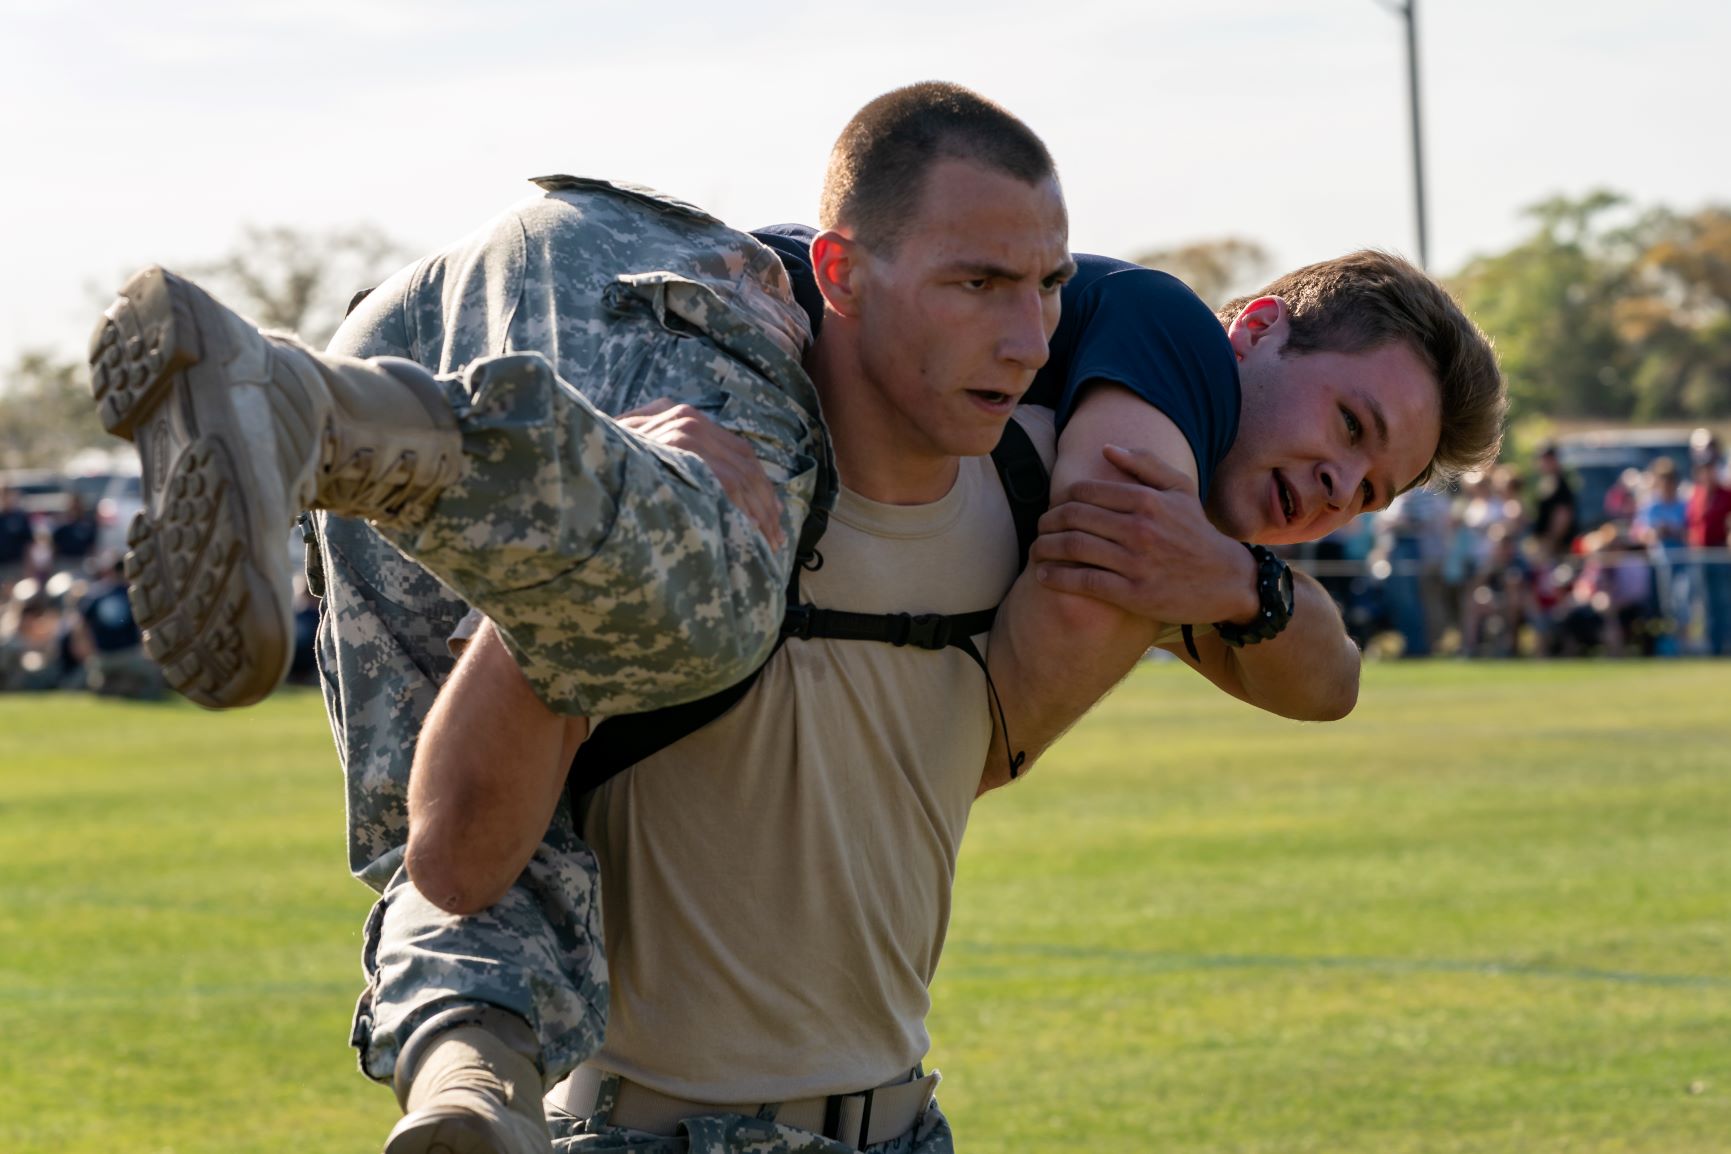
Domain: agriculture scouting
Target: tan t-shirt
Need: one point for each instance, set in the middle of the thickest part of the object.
(776, 887)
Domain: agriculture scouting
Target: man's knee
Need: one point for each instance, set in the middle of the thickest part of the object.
(536, 953)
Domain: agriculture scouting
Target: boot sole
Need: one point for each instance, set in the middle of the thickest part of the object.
(201, 557)
(454, 1133)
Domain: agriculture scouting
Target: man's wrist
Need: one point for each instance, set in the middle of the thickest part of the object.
(1275, 597)
(1240, 581)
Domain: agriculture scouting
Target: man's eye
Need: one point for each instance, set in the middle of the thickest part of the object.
(1369, 495)
(1353, 428)
(978, 284)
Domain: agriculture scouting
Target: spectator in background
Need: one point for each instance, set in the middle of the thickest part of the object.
(30, 640)
(1466, 546)
(1608, 604)
(1499, 598)
(39, 554)
(1622, 497)
(114, 662)
(75, 537)
(1554, 515)
(15, 538)
(1551, 580)
(1705, 522)
(1662, 516)
(1413, 535)
(1661, 525)
(1357, 593)
(1506, 485)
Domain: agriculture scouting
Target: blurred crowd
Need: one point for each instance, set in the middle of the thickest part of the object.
(65, 619)
(1512, 565)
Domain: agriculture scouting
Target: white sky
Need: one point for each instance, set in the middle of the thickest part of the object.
(136, 131)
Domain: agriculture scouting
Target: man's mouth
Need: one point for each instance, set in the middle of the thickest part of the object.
(1286, 498)
(993, 400)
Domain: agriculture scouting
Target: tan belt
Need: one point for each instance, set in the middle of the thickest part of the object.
(861, 1120)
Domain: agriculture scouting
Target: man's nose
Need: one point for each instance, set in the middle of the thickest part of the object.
(1341, 481)
(1024, 339)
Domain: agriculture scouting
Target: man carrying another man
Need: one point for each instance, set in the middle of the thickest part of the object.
(941, 288)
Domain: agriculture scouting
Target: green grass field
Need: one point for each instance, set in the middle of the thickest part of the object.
(1489, 912)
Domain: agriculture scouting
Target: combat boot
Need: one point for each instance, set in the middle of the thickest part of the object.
(468, 1084)
(238, 431)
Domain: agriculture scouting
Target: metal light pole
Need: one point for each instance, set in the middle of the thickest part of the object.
(1408, 10)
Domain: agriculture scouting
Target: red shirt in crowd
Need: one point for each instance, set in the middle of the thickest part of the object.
(1706, 513)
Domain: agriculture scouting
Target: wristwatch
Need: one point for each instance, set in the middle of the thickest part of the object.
(1274, 595)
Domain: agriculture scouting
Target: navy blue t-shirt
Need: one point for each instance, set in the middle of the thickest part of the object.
(16, 534)
(109, 615)
(1120, 322)
(75, 540)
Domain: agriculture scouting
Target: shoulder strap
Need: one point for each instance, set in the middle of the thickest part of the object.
(1026, 483)
(620, 742)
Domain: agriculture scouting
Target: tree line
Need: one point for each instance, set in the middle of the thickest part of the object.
(1608, 311)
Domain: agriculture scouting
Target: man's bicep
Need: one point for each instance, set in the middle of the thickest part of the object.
(1110, 414)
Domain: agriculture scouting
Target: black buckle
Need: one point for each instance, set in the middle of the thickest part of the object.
(922, 630)
(796, 622)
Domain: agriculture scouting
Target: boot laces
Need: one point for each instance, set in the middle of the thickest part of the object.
(385, 486)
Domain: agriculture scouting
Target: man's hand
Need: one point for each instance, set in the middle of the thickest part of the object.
(728, 456)
(1145, 546)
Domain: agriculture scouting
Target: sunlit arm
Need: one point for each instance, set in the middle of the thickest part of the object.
(489, 768)
(1052, 656)
(1308, 673)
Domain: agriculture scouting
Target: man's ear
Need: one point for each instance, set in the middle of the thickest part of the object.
(1263, 319)
(835, 259)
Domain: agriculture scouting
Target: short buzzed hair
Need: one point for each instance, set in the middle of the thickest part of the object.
(1367, 299)
(878, 166)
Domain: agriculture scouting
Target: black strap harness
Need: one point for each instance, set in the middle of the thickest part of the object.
(620, 742)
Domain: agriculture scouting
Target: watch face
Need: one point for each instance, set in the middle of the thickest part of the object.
(1286, 588)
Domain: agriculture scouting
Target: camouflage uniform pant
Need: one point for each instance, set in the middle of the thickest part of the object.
(731, 1134)
(618, 572)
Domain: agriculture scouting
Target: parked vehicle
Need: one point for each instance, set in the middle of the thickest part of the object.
(107, 481)
(115, 498)
(42, 493)
(1595, 460)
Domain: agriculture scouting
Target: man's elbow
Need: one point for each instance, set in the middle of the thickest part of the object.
(1329, 698)
(451, 880)
(1339, 702)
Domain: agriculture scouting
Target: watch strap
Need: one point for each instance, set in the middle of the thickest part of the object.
(1274, 597)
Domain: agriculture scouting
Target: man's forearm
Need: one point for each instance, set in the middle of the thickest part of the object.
(1308, 673)
(489, 768)
(1052, 656)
